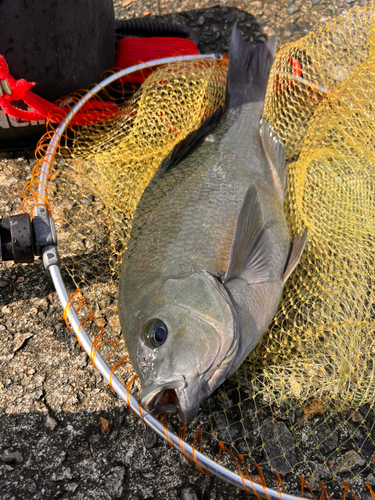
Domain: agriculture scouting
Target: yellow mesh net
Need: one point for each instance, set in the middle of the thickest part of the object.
(304, 401)
(309, 71)
(322, 340)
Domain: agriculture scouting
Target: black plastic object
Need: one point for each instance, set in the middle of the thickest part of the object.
(22, 238)
(17, 239)
(150, 28)
(62, 45)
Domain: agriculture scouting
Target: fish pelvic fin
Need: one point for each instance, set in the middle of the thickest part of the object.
(248, 70)
(250, 256)
(297, 248)
(275, 153)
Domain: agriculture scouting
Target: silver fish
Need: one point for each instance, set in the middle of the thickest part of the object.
(209, 251)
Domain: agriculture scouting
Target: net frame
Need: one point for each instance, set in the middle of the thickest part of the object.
(41, 197)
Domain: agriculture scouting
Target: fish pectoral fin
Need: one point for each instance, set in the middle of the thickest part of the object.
(250, 256)
(297, 248)
(184, 147)
(276, 156)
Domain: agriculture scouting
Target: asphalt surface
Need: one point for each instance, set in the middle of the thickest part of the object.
(63, 433)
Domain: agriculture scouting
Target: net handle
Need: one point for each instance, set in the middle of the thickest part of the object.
(83, 338)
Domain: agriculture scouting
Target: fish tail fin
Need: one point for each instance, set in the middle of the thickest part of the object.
(248, 70)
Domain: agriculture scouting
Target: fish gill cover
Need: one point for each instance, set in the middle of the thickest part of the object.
(304, 401)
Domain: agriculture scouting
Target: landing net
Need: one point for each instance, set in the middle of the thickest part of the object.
(303, 404)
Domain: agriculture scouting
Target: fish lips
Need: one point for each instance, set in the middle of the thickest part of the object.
(169, 397)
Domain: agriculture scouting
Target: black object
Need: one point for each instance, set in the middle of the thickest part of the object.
(17, 238)
(23, 238)
(61, 45)
(150, 28)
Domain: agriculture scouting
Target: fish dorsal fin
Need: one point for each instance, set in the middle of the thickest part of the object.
(184, 147)
(250, 256)
(298, 246)
(276, 156)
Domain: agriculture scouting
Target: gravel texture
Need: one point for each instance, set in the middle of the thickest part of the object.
(63, 433)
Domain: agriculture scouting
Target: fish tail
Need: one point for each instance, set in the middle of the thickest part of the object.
(248, 70)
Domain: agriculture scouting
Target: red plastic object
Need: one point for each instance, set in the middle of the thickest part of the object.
(130, 51)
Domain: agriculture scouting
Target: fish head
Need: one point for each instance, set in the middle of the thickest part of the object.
(186, 343)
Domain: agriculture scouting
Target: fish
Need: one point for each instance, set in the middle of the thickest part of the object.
(209, 250)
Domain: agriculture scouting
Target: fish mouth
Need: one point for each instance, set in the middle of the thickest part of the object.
(168, 398)
(164, 401)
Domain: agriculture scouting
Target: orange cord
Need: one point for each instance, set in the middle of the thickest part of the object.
(166, 432)
(86, 321)
(324, 492)
(115, 342)
(346, 488)
(70, 304)
(303, 484)
(95, 343)
(102, 343)
(33, 185)
(79, 343)
(263, 480)
(248, 475)
(199, 433)
(222, 447)
(181, 439)
(113, 369)
(141, 413)
(371, 492)
(280, 484)
(127, 387)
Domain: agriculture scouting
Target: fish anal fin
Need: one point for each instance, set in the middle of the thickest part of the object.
(250, 257)
(275, 153)
(298, 246)
(184, 147)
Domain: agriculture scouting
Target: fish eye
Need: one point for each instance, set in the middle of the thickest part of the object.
(154, 333)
